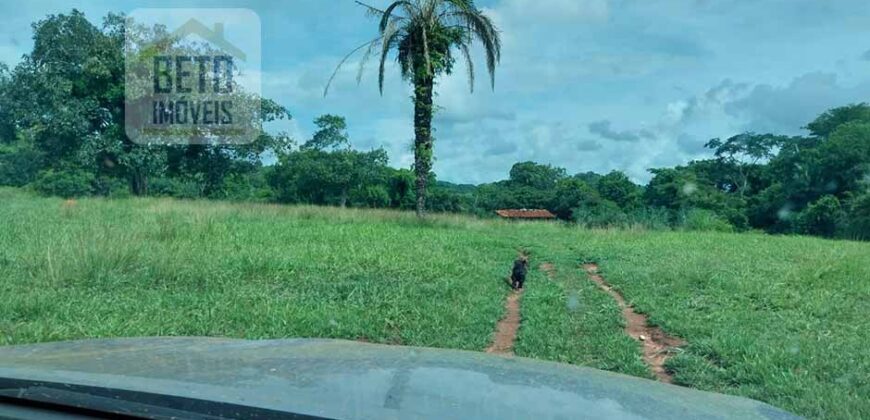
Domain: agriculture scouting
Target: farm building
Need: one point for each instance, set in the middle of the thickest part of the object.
(526, 214)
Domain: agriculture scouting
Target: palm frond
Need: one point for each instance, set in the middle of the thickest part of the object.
(365, 59)
(387, 14)
(481, 27)
(389, 39)
(469, 63)
(344, 60)
(370, 10)
(417, 30)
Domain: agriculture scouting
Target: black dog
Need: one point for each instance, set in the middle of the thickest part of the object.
(518, 276)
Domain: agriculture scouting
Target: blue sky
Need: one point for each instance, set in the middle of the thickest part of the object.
(589, 85)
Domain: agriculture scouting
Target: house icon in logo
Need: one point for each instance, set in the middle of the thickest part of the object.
(192, 76)
(214, 36)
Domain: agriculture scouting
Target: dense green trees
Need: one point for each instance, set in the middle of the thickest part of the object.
(817, 184)
(61, 133)
(62, 123)
(325, 170)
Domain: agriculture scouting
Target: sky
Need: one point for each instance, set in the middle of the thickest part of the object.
(587, 85)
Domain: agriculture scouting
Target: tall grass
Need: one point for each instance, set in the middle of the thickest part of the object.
(779, 319)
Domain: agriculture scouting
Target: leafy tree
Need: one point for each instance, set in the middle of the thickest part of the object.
(600, 214)
(19, 164)
(771, 209)
(671, 188)
(371, 196)
(845, 159)
(7, 122)
(320, 177)
(822, 217)
(828, 122)
(425, 35)
(572, 194)
(508, 195)
(401, 189)
(331, 133)
(681, 189)
(531, 174)
(327, 171)
(738, 158)
(858, 217)
(590, 178)
(58, 93)
(67, 183)
(66, 99)
(616, 187)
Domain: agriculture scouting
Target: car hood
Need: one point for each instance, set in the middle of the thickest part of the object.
(350, 380)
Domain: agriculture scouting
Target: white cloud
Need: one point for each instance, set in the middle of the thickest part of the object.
(787, 108)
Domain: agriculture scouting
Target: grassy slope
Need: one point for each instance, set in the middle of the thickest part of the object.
(151, 267)
(778, 319)
(773, 318)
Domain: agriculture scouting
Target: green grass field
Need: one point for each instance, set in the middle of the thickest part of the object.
(779, 319)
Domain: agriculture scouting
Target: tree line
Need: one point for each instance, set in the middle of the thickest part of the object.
(62, 134)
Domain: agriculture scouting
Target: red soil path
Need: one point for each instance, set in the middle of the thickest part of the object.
(506, 330)
(657, 346)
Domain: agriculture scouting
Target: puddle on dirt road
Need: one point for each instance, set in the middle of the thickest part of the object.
(657, 345)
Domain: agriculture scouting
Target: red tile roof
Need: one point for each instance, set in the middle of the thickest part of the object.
(525, 214)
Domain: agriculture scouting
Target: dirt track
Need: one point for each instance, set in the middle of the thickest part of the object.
(657, 346)
(506, 330)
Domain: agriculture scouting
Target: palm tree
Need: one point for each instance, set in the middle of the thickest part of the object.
(425, 34)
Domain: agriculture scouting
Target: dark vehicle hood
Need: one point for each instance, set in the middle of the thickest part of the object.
(349, 380)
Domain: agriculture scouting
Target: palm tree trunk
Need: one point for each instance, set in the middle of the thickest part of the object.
(423, 89)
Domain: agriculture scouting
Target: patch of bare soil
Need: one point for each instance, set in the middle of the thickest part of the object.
(506, 330)
(549, 269)
(657, 345)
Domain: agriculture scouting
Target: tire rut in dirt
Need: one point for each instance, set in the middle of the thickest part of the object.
(506, 330)
(658, 346)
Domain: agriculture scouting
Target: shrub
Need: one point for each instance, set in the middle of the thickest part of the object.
(67, 183)
(243, 187)
(704, 220)
(653, 218)
(19, 167)
(173, 187)
(602, 213)
(858, 225)
(823, 217)
(372, 196)
(112, 187)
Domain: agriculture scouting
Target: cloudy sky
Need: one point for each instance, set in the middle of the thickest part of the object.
(589, 85)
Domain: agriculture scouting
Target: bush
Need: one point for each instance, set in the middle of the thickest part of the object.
(704, 220)
(823, 217)
(112, 187)
(371, 196)
(653, 218)
(603, 213)
(65, 183)
(178, 188)
(19, 167)
(858, 225)
(244, 187)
